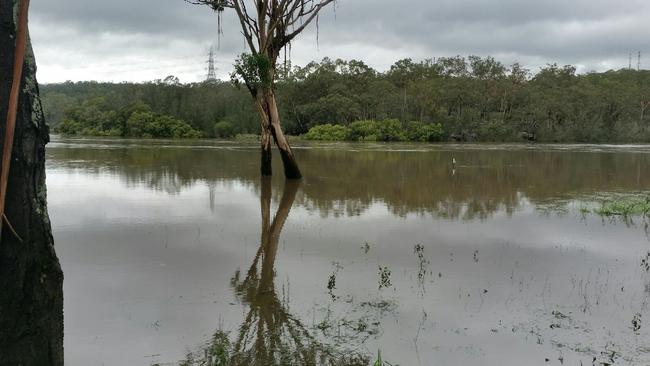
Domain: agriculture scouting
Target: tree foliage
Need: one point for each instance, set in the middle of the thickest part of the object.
(96, 117)
(328, 132)
(224, 129)
(148, 124)
(384, 130)
(473, 98)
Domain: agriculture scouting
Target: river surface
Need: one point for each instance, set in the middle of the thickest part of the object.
(172, 250)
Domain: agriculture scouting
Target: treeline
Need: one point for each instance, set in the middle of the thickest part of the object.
(457, 98)
(163, 108)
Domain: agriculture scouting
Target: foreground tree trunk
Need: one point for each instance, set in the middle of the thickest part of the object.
(31, 294)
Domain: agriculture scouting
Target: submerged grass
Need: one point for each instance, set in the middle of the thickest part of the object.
(625, 206)
(380, 362)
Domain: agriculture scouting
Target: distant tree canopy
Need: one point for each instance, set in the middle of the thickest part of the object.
(96, 117)
(450, 99)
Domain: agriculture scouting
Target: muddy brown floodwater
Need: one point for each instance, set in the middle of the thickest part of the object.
(173, 249)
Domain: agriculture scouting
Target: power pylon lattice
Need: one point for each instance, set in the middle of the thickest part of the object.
(212, 74)
(629, 65)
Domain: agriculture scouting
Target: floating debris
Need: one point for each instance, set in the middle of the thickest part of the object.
(636, 322)
(384, 277)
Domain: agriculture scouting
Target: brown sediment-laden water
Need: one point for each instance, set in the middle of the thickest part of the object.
(179, 253)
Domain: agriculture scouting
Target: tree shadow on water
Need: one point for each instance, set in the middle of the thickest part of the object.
(270, 334)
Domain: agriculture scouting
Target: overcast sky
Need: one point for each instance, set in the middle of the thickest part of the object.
(140, 40)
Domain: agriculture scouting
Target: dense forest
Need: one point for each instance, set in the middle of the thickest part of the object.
(457, 98)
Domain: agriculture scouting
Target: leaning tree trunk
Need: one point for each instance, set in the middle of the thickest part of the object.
(31, 294)
(265, 138)
(270, 119)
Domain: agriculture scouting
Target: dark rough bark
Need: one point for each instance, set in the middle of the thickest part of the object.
(31, 294)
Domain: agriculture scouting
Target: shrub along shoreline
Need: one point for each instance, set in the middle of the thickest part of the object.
(95, 118)
(384, 130)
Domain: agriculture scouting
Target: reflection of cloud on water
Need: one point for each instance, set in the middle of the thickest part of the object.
(349, 183)
(529, 264)
(270, 334)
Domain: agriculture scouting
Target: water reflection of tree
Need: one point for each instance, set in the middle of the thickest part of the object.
(270, 334)
(347, 183)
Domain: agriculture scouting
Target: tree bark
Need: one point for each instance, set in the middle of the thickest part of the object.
(31, 293)
(270, 126)
(265, 138)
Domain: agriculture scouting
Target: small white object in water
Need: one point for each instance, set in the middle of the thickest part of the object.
(453, 161)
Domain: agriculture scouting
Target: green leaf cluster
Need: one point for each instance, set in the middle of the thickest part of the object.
(95, 117)
(224, 129)
(384, 130)
(254, 70)
(328, 132)
(149, 124)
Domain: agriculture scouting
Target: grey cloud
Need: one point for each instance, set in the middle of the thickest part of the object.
(160, 37)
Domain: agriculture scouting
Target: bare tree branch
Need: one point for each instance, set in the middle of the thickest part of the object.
(266, 28)
(308, 15)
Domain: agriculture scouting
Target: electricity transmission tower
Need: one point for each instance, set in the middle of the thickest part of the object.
(212, 75)
(629, 65)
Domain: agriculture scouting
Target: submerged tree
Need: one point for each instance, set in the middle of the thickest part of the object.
(268, 27)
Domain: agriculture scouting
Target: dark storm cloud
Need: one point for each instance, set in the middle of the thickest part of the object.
(144, 39)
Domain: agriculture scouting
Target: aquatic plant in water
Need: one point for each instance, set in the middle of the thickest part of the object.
(625, 206)
(611, 205)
